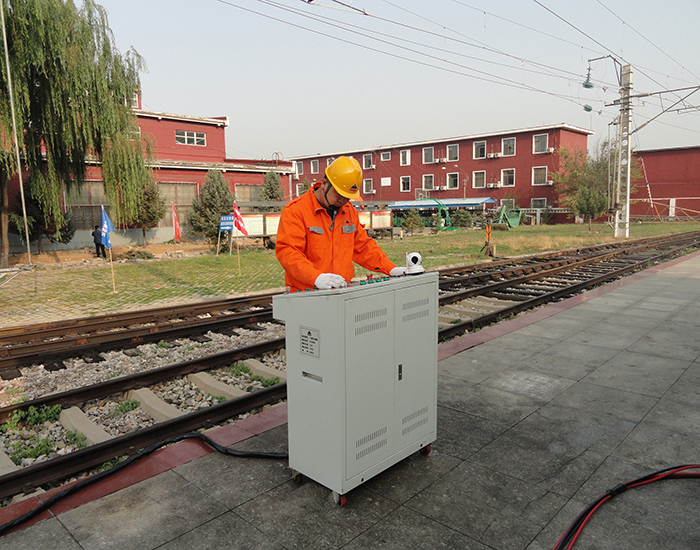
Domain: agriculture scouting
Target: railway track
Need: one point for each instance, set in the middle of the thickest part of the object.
(469, 299)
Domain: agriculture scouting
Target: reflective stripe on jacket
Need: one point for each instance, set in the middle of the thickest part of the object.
(308, 245)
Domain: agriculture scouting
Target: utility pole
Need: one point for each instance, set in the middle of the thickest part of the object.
(624, 161)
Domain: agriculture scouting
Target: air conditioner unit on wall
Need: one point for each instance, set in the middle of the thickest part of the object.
(549, 182)
(491, 155)
(549, 149)
(443, 160)
(373, 166)
(443, 188)
(497, 155)
(494, 185)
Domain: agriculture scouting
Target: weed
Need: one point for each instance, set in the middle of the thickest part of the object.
(44, 414)
(13, 421)
(127, 406)
(19, 450)
(219, 398)
(265, 382)
(112, 463)
(77, 439)
(12, 391)
(164, 345)
(238, 369)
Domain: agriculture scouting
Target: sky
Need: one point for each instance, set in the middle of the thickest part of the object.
(298, 77)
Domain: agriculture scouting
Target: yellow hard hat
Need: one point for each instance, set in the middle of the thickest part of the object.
(345, 175)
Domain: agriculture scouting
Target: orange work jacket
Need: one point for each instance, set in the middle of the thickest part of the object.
(308, 244)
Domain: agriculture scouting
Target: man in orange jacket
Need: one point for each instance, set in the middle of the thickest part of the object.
(320, 235)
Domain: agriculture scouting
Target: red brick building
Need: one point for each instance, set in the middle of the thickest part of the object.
(669, 185)
(185, 148)
(511, 167)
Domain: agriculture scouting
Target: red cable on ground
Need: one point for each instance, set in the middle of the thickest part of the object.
(568, 539)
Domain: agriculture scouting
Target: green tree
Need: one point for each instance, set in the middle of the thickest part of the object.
(71, 90)
(151, 208)
(305, 186)
(462, 218)
(412, 222)
(272, 187)
(41, 225)
(580, 183)
(214, 201)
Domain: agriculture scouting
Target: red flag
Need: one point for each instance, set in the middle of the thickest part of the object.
(176, 224)
(238, 220)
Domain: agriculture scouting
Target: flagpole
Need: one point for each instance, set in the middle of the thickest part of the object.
(238, 252)
(111, 266)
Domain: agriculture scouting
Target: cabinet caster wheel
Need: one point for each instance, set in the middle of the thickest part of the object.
(340, 500)
(425, 451)
(297, 478)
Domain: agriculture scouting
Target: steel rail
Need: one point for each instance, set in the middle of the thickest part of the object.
(33, 476)
(17, 356)
(142, 379)
(9, 335)
(489, 318)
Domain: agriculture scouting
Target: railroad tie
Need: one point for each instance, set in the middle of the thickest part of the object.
(210, 385)
(260, 369)
(153, 406)
(75, 420)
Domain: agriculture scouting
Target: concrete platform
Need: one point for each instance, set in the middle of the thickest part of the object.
(538, 416)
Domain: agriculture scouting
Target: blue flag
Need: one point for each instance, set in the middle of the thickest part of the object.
(106, 228)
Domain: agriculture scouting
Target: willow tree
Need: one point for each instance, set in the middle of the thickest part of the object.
(72, 91)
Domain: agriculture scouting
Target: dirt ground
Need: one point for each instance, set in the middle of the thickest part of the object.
(86, 256)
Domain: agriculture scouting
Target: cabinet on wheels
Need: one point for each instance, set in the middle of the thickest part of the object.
(361, 377)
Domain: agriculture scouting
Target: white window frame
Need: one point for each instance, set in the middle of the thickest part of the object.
(503, 146)
(452, 180)
(385, 156)
(535, 141)
(510, 203)
(475, 178)
(299, 189)
(402, 182)
(367, 161)
(186, 137)
(329, 161)
(314, 166)
(536, 169)
(503, 177)
(532, 202)
(385, 181)
(474, 148)
(299, 167)
(453, 152)
(428, 155)
(367, 187)
(405, 155)
(431, 178)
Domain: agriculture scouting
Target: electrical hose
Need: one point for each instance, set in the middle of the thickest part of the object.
(148, 450)
(568, 539)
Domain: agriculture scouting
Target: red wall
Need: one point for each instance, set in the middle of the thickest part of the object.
(162, 135)
(670, 174)
(522, 162)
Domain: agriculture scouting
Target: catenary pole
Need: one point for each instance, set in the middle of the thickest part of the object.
(14, 131)
(624, 165)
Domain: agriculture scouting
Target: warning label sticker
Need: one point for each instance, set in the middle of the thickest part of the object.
(310, 339)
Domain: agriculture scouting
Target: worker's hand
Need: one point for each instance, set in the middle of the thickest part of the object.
(329, 280)
(397, 272)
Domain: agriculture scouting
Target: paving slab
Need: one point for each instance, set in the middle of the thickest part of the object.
(537, 417)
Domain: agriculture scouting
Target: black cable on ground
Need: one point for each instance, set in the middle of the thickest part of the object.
(567, 540)
(148, 450)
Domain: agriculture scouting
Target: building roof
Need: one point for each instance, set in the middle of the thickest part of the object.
(562, 126)
(215, 121)
(449, 203)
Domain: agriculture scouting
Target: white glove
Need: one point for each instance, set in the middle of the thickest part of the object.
(397, 272)
(329, 280)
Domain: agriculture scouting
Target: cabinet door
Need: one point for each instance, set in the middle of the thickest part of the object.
(416, 363)
(369, 380)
